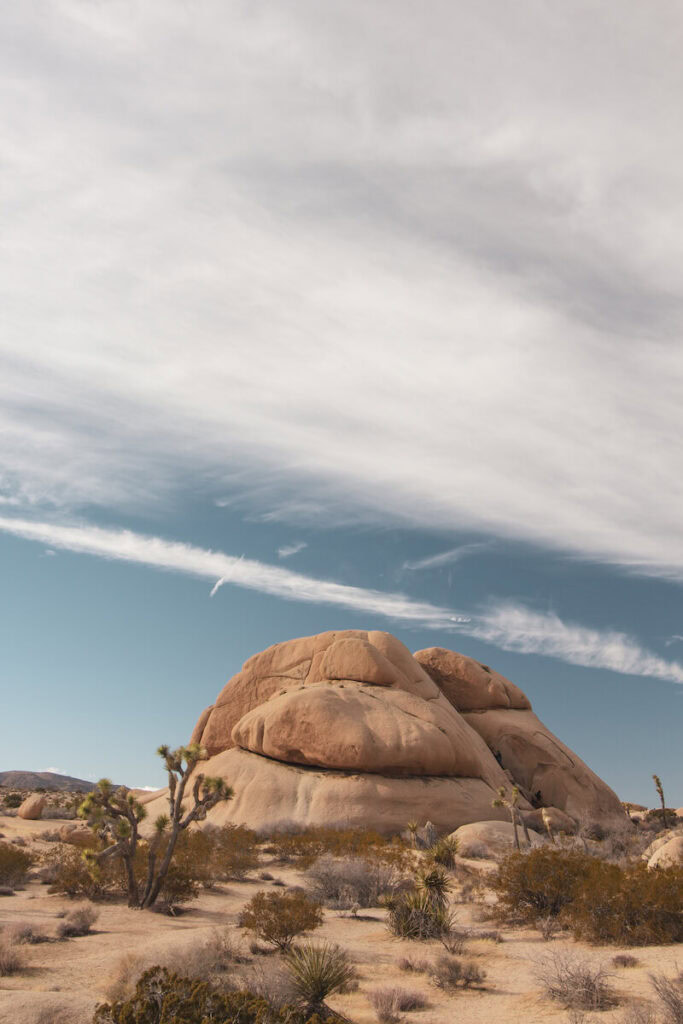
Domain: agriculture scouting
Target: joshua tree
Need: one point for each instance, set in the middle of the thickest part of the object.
(115, 815)
(503, 800)
(660, 792)
(549, 827)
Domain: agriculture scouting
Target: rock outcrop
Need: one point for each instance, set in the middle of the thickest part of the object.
(349, 729)
(669, 854)
(32, 807)
(491, 839)
(546, 771)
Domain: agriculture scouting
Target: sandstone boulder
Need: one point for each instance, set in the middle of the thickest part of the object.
(559, 821)
(273, 796)
(669, 854)
(349, 728)
(494, 838)
(546, 771)
(659, 841)
(32, 807)
(76, 835)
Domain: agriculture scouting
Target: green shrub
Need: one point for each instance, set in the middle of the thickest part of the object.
(161, 997)
(13, 800)
(630, 906)
(318, 971)
(67, 873)
(305, 847)
(598, 901)
(414, 915)
(14, 865)
(540, 883)
(279, 917)
(235, 851)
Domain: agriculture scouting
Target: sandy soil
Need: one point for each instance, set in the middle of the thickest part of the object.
(64, 980)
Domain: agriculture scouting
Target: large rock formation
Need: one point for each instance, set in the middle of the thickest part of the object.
(349, 729)
(543, 767)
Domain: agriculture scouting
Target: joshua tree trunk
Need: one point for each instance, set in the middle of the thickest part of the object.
(513, 818)
(660, 791)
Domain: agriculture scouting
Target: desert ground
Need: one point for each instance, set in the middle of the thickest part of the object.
(63, 981)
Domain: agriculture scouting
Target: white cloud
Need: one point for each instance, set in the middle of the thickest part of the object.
(287, 550)
(517, 628)
(446, 557)
(509, 626)
(673, 640)
(250, 252)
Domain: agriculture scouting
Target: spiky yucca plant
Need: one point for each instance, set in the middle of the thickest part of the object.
(444, 852)
(435, 883)
(318, 971)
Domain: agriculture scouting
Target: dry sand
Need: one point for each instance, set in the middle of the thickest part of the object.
(64, 980)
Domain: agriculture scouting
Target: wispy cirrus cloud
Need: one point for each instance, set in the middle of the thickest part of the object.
(509, 626)
(470, 334)
(446, 557)
(287, 550)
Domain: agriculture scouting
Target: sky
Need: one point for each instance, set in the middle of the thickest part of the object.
(343, 315)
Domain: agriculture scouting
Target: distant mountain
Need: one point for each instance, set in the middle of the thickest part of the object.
(46, 780)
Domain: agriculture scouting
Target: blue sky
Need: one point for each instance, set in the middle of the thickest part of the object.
(376, 324)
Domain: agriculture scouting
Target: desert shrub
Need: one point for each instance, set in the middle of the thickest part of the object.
(307, 846)
(67, 873)
(631, 906)
(24, 934)
(413, 915)
(625, 960)
(235, 851)
(656, 815)
(13, 800)
(443, 852)
(540, 883)
(279, 917)
(448, 972)
(318, 971)
(343, 882)
(593, 830)
(456, 940)
(119, 983)
(162, 997)
(11, 959)
(411, 963)
(390, 1002)
(77, 922)
(669, 992)
(14, 865)
(575, 983)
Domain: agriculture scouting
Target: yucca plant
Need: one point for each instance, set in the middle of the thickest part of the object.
(415, 915)
(318, 971)
(444, 852)
(435, 883)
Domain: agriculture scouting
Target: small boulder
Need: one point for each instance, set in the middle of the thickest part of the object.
(75, 835)
(669, 854)
(497, 837)
(662, 839)
(559, 821)
(32, 807)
